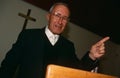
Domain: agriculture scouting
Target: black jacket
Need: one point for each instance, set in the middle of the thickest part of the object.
(32, 52)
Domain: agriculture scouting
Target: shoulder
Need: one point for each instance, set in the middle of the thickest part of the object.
(67, 41)
(31, 31)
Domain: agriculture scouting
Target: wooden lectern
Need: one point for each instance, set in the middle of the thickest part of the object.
(56, 71)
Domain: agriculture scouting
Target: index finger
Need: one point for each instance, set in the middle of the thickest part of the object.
(104, 39)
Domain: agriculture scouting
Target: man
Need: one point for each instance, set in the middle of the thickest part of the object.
(35, 49)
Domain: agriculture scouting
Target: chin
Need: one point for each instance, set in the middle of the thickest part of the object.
(57, 33)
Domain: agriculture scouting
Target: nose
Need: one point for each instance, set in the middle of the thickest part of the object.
(60, 20)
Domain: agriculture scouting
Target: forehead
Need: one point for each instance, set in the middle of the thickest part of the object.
(61, 9)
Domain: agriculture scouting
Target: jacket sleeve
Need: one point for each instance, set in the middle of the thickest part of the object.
(12, 58)
(87, 63)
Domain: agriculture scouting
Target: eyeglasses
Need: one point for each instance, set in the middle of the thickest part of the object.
(59, 16)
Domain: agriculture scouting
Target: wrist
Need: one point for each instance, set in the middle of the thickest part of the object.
(92, 56)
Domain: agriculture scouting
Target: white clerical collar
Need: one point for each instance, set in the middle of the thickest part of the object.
(52, 37)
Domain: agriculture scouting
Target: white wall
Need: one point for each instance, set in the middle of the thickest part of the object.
(11, 25)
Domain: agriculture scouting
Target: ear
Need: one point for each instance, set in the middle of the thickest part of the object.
(48, 16)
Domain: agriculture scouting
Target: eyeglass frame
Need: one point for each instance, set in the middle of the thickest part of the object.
(58, 16)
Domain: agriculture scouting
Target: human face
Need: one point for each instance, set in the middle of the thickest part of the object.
(58, 19)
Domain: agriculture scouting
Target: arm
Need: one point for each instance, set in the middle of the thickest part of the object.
(12, 59)
(91, 58)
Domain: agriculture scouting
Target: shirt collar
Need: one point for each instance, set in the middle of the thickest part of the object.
(49, 33)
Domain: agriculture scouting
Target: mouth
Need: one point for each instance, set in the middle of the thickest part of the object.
(58, 26)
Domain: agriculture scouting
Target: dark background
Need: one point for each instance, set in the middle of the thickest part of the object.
(99, 16)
